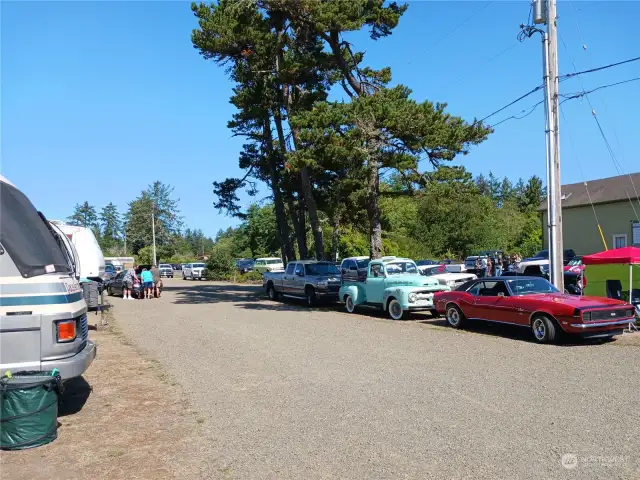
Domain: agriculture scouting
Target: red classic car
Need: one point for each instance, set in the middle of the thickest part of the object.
(534, 303)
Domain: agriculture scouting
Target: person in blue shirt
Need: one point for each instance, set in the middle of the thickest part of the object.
(147, 283)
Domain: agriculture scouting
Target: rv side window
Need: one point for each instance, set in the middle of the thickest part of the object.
(26, 237)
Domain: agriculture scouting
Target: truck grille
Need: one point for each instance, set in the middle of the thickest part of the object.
(84, 326)
(607, 314)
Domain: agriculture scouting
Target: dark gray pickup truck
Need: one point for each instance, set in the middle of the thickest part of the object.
(308, 279)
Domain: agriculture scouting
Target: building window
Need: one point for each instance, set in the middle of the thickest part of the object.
(620, 241)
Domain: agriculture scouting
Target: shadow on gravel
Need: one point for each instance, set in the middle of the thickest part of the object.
(194, 293)
(75, 395)
(513, 332)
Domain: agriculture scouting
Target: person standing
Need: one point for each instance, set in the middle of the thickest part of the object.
(127, 283)
(499, 265)
(155, 271)
(483, 266)
(147, 282)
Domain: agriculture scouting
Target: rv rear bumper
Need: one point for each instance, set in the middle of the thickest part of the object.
(73, 366)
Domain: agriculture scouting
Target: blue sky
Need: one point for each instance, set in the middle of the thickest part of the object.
(99, 99)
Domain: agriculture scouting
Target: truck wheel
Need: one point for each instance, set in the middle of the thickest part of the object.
(310, 295)
(271, 292)
(544, 330)
(350, 304)
(396, 311)
(455, 317)
(109, 292)
(184, 276)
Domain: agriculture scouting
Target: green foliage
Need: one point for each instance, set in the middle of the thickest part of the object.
(221, 264)
(84, 215)
(111, 227)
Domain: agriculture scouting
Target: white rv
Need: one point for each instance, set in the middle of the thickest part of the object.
(43, 315)
(90, 259)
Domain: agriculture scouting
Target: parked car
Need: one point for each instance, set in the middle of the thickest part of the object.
(422, 263)
(354, 268)
(470, 261)
(542, 258)
(268, 264)
(308, 279)
(574, 282)
(574, 265)
(193, 271)
(444, 276)
(109, 272)
(245, 265)
(393, 285)
(115, 286)
(534, 303)
(176, 266)
(166, 270)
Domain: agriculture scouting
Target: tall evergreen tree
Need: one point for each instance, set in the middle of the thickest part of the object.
(84, 215)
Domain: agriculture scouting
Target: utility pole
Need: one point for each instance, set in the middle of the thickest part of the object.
(545, 13)
(153, 235)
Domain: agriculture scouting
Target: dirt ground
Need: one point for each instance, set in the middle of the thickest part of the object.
(124, 419)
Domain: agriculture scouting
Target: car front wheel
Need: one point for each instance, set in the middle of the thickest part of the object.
(350, 304)
(310, 295)
(544, 330)
(396, 311)
(455, 317)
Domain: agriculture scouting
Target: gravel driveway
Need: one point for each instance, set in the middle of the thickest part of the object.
(288, 392)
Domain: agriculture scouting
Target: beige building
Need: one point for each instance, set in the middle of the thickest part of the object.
(614, 201)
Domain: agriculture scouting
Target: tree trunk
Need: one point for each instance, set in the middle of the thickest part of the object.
(318, 241)
(335, 236)
(373, 210)
(299, 229)
(282, 225)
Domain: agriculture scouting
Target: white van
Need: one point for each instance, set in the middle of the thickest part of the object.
(43, 315)
(91, 260)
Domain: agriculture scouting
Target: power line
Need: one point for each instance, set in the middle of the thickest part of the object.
(597, 69)
(530, 92)
(570, 96)
(516, 117)
(456, 28)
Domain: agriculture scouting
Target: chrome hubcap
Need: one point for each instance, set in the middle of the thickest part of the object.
(539, 329)
(350, 304)
(396, 310)
(453, 316)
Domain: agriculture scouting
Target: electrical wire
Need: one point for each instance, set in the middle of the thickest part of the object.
(570, 96)
(455, 28)
(591, 70)
(586, 187)
(516, 117)
(530, 92)
(616, 164)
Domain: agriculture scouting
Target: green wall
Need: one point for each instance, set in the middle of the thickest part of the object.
(580, 230)
(597, 275)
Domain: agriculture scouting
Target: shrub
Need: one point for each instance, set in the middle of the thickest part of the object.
(220, 266)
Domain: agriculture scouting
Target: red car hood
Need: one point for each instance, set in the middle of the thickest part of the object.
(577, 301)
(573, 268)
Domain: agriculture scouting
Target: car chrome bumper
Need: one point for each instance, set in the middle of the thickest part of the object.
(602, 324)
(73, 366)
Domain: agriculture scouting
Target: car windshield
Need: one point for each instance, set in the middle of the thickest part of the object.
(321, 269)
(245, 263)
(274, 261)
(433, 270)
(27, 237)
(164, 265)
(531, 286)
(198, 265)
(397, 268)
(542, 254)
(421, 263)
(575, 262)
(363, 263)
(109, 268)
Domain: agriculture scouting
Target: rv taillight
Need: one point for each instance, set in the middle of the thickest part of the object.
(66, 331)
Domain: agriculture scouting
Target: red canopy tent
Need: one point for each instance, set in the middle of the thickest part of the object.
(619, 255)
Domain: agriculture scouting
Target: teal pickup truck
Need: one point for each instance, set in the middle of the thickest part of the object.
(394, 285)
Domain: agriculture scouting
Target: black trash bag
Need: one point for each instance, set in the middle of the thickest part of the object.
(29, 409)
